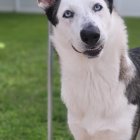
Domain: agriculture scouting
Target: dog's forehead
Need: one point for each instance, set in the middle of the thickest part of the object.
(80, 3)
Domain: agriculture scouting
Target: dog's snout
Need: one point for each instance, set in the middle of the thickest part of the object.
(90, 35)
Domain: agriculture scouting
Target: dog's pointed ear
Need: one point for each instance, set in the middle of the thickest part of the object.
(50, 7)
(110, 2)
(45, 4)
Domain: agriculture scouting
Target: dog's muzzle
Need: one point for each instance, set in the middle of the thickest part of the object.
(90, 35)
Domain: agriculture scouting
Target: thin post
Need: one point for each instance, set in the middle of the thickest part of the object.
(50, 63)
(17, 5)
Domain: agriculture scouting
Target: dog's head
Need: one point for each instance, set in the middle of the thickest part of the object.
(85, 24)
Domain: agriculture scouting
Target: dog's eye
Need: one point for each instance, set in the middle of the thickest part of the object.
(97, 7)
(68, 14)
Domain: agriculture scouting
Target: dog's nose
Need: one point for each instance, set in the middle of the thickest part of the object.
(90, 35)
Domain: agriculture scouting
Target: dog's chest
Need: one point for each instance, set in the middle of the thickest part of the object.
(97, 101)
(94, 89)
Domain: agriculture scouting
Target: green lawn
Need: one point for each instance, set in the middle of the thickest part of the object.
(23, 97)
(23, 77)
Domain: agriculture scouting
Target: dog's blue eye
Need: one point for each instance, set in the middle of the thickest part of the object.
(68, 14)
(97, 7)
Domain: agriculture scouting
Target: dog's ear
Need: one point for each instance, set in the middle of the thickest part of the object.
(50, 7)
(110, 5)
(45, 4)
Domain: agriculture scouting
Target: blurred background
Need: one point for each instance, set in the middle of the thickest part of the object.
(23, 70)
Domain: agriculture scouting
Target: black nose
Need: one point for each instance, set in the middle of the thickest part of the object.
(90, 35)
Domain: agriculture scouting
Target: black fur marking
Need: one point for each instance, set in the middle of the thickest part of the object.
(51, 12)
(133, 89)
(110, 5)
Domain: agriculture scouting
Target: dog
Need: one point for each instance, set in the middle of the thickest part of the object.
(100, 76)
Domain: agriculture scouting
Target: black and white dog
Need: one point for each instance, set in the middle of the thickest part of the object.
(100, 77)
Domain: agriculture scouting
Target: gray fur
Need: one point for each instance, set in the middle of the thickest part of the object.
(126, 72)
(133, 89)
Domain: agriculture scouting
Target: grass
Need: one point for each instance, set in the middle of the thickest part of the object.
(23, 97)
(22, 77)
(133, 25)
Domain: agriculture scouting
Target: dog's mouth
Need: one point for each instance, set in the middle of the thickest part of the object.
(91, 53)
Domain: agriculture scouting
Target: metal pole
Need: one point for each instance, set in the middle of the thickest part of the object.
(17, 5)
(50, 63)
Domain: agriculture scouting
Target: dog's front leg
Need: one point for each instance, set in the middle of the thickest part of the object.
(75, 127)
(78, 133)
